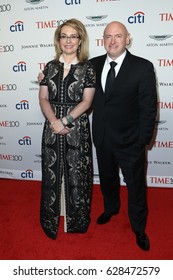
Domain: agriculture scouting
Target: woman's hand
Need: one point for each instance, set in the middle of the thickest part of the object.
(58, 128)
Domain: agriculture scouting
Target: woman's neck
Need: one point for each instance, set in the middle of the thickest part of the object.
(69, 59)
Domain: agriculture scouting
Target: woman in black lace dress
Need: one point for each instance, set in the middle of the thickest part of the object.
(66, 93)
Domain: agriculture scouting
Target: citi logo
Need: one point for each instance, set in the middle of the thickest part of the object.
(18, 26)
(23, 105)
(138, 17)
(163, 62)
(27, 174)
(72, 2)
(161, 180)
(165, 105)
(25, 141)
(166, 17)
(20, 67)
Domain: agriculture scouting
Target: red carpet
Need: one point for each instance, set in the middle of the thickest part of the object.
(21, 237)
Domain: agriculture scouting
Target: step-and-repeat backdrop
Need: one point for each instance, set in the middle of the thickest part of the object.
(26, 43)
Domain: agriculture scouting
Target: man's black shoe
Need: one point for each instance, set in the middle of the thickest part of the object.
(105, 217)
(142, 241)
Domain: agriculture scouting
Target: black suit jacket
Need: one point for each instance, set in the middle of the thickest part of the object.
(128, 114)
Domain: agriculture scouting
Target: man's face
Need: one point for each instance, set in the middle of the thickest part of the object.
(116, 38)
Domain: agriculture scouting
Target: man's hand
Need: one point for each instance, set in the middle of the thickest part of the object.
(40, 77)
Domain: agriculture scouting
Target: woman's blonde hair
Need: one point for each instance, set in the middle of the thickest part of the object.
(83, 51)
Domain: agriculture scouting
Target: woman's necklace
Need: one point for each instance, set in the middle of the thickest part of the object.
(68, 65)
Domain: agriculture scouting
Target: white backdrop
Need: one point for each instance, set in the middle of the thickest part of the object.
(26, 44)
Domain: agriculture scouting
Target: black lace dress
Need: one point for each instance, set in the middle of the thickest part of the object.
(67, 158)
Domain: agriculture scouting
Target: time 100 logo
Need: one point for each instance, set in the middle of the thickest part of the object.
(5, 8)
(7, 48)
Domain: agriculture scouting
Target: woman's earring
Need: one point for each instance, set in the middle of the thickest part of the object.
(78, 49)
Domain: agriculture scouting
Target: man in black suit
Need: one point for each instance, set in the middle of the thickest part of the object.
(124, 113)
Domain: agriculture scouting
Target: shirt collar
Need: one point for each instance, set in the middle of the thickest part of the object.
(119, 60)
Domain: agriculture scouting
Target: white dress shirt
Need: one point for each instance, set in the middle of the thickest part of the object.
(106, 67)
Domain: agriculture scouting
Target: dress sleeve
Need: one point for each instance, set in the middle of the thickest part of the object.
(90, 79)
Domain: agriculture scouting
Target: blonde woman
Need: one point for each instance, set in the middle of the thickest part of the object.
(66, 93)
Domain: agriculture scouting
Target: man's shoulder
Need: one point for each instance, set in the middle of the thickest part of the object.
(98, 58)
(138, 59)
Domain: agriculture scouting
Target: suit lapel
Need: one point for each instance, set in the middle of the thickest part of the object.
(99, 69)
(125, 68)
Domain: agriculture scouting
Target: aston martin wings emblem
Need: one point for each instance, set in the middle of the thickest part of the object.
(34, 1)
(96, 18)
(160, 37)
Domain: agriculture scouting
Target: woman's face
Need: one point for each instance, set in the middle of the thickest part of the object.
(69, 40)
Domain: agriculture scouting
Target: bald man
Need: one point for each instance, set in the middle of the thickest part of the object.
(124, 113)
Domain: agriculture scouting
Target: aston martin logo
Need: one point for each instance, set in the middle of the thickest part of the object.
(37, 155)
(34, 1)
(96, 18)
(160, 122)
(160, 37)
(34, 82)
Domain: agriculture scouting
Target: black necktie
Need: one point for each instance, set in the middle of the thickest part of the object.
(110, 78)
